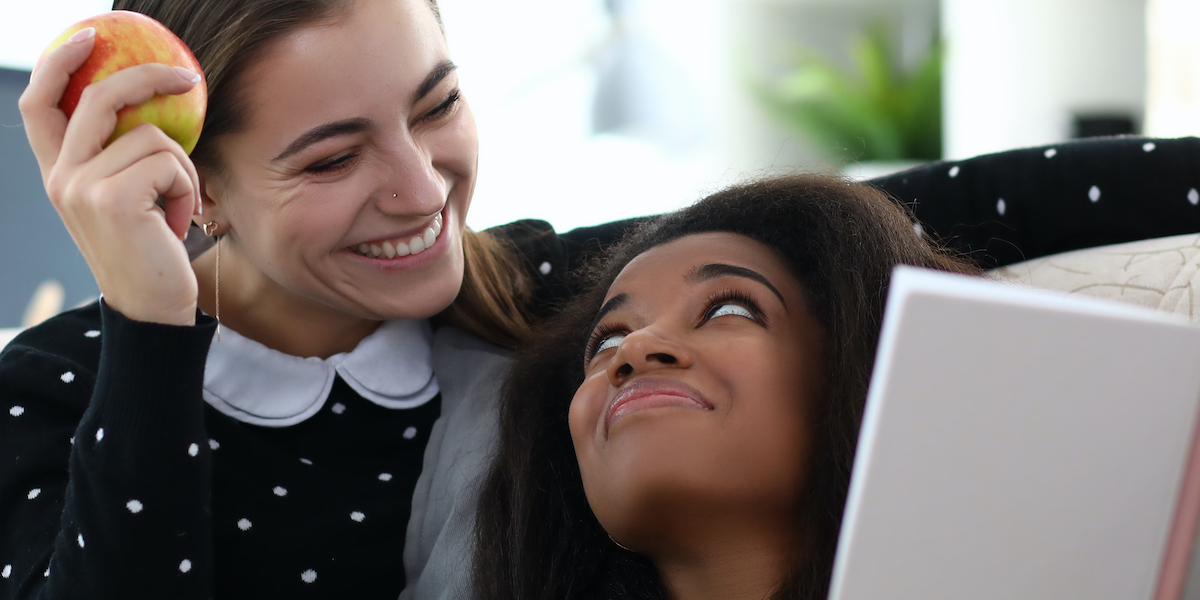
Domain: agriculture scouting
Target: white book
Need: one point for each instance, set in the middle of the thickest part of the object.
(1022, 444)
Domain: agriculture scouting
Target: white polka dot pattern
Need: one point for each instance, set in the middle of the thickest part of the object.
(338, 408)
(94, 333)
(46, 573)
(385, 476)
(410, 433)
(306, 461)
(308, 576)
(920, 231)
(193, 449)
(544, 268)
(79, 539)
(134, 506)
(67, 377)
(280, 491)
(1094, 194)
(954, 171)
(357, 516)
(1050, 152)
(185, 565)
(213, 444)
(34, 493)
(1001, 206)
(244, 524)
(6, 572)
(1193, 196)
(1148, 147)
(99, 434)
(16, 411)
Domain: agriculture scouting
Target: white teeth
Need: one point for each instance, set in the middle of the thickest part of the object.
(417, 244)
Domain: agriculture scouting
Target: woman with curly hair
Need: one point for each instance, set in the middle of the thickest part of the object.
(686, 429)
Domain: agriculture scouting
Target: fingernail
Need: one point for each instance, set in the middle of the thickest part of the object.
(189, 76)
(82, 35)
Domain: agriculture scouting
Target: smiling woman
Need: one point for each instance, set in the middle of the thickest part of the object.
(713, 379)
(326, 443)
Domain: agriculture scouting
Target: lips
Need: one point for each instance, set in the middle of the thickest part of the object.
(654, 392)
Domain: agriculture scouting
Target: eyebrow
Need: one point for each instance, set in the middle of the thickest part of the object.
(329, 130)
(715, 270)
(440, 72)
(613, 304)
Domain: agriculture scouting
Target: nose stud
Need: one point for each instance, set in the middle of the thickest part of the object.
(394, 196)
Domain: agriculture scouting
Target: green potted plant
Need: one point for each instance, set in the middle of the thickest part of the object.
(878, 113)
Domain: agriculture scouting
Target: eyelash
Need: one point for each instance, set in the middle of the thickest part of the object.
(346, 161)
(729, 296)
(444, 107)
(601, 332)
(732, 296)
(338, 164)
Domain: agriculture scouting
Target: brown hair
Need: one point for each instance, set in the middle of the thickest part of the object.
(228, 37)
(537, 537)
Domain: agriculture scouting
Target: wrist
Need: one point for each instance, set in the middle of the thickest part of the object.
(183, 316)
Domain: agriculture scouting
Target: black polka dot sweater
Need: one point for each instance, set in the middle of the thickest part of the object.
(118, 480)
(133, 478)
(1022, 204)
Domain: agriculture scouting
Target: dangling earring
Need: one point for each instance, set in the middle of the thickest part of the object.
(210, 229)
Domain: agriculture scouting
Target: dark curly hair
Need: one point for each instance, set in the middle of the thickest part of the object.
(536, 535)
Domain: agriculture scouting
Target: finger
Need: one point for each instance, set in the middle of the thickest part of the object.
(96, 116)
(136, 144)
(45, 124)
(126, 191)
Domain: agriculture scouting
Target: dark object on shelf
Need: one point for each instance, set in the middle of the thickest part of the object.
(1102, 125)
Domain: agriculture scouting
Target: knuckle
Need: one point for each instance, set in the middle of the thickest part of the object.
(94, 92)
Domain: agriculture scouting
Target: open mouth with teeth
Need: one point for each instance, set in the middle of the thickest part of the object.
(401, 246)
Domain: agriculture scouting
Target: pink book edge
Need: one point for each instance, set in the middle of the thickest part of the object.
(1176, 560)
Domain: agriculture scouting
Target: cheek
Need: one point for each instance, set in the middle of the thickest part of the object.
(583, 416)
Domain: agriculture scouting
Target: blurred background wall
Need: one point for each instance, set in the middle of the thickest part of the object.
(592, 110)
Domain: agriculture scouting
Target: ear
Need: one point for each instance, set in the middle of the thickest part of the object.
(210, 202)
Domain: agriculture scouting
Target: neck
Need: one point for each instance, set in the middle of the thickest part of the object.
(259, 308)
(739, 560)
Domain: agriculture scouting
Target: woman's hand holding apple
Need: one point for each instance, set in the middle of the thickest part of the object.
(106, 195)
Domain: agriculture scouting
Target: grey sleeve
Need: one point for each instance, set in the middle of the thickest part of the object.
(441, 531)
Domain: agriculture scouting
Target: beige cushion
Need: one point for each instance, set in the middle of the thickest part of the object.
(1162, 274)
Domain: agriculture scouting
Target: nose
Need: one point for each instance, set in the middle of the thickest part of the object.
(414, 187)
(646, 350)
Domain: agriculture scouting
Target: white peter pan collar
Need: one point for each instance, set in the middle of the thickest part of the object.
(392, 367)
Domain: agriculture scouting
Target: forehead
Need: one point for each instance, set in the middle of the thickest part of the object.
(370, 56)
(668, 263)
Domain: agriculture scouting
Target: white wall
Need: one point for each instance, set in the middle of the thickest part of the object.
(26, 27)
(1016, 70)
(1173, 77)
(530, 70)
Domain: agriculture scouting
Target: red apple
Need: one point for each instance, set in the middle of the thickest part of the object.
(125, 39)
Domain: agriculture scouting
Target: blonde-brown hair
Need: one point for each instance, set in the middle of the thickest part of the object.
(227, 37)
